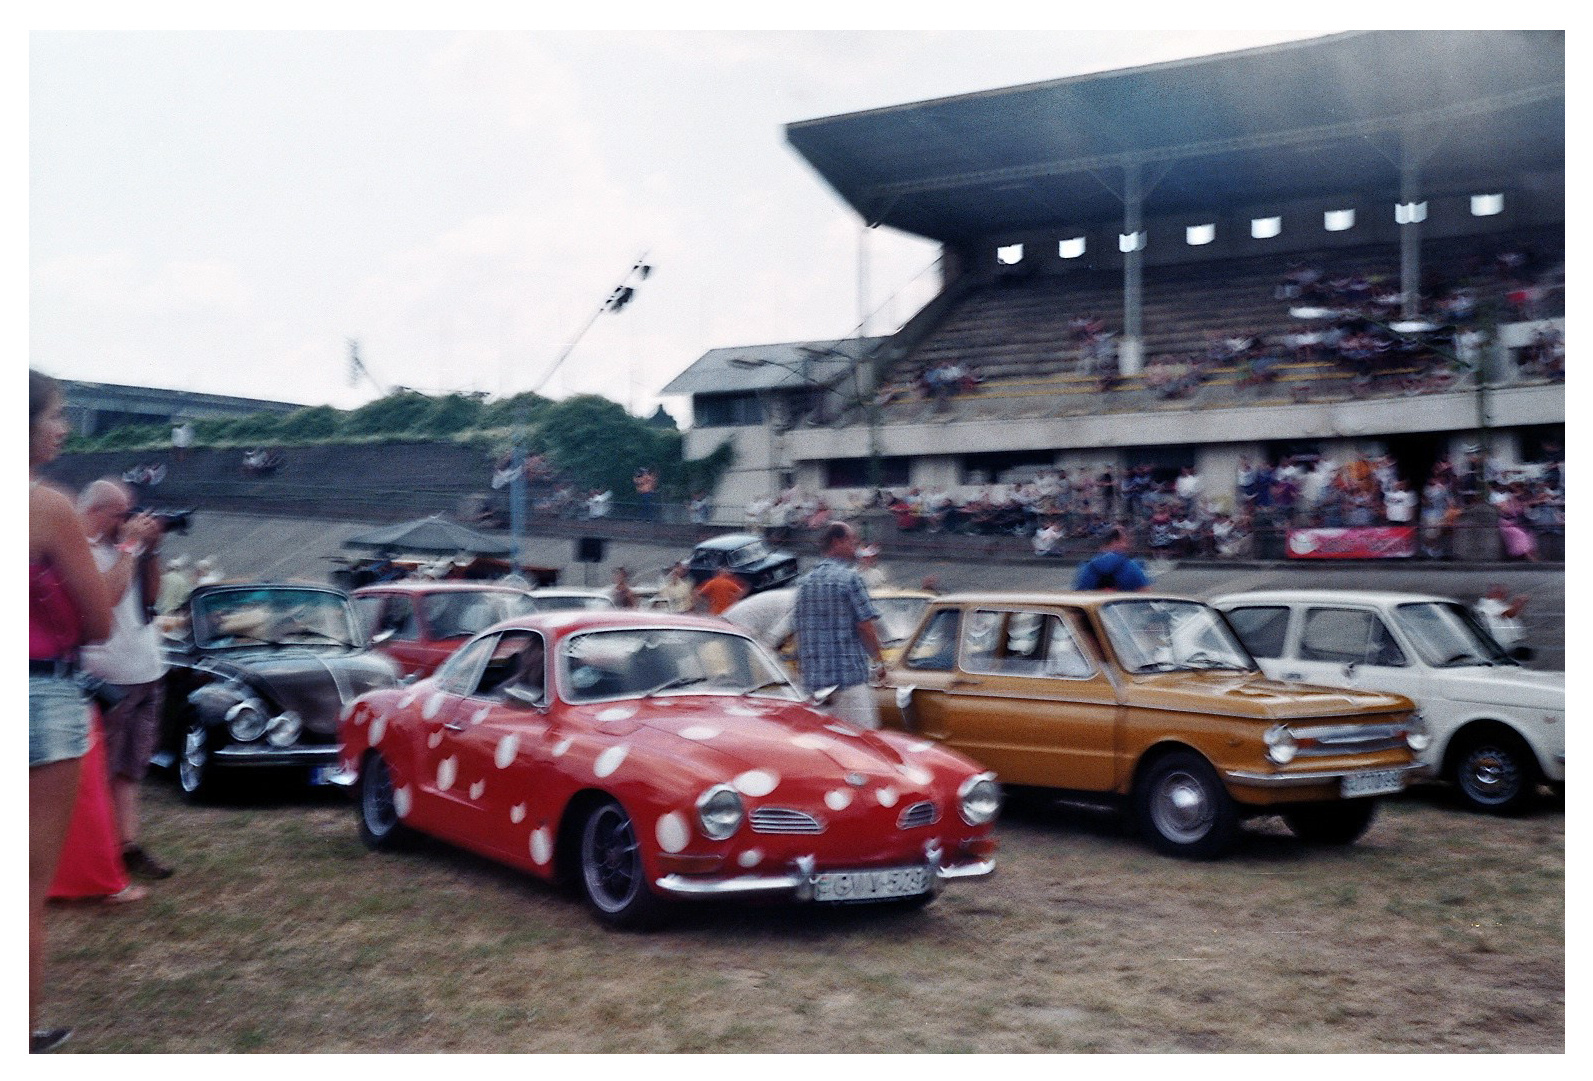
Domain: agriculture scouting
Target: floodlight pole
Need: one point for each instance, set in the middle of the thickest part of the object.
(617, 298)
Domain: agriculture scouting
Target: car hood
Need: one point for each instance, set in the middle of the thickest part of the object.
(315, 685)
(1503, 686)
(1244, 694)
(730, 737)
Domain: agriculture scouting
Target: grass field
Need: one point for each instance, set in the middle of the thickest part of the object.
(1439, 932)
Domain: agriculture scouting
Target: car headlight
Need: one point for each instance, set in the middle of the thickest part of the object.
(1281, 745)
(284, 729)
(719, 812)
(1417, 737)
(246, 721)
(979, 799)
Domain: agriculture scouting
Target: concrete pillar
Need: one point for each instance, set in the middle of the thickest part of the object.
(1130, 352)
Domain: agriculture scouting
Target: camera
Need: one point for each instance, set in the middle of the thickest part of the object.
(171, 521)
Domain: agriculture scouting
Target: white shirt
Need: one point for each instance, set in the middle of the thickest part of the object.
(132, 652)
(1400, 506)
(766, 616)
(1506, 630)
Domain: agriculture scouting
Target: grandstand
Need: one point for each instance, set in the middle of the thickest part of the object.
(1167, 209)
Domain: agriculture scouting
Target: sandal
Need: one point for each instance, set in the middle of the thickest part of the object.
(125, 895)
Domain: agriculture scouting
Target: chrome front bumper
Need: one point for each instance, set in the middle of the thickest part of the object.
(798, 885)
(266, 757)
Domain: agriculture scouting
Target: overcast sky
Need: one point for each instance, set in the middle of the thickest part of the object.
(223, 211)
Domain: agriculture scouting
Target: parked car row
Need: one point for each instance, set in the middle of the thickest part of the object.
(649, 758)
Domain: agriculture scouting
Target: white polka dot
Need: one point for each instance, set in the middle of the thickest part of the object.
(401, 802)
(918, 746)
(477, 788)
(610, 760)
(480, 715)
(378, 730)
(562, 747)
(699, 731)
(672, 832)
(517, 813)
(447, 770)
(887, 797)
(750, 858)
(741, 709)
(841, 729)
(811, 741)
(617, 713)
(917, 774)
(435, 739)
(838, 799)
(433, 706)
(541, 846)
(407, 698)
(756, 782)
(508, 747)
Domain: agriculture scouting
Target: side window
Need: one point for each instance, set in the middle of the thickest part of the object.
(400, 618)
(1348, 636)
(1262, 630)
(462, 672)
(517, 657)
(1064, 656)
(982, 641)
(368, 610)
(936, 647)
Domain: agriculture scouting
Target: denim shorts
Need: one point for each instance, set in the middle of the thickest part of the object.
(58, 721)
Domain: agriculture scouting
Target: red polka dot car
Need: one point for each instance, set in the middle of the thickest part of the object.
(652, 759)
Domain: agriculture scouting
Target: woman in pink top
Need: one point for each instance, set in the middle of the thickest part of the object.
(67, 605)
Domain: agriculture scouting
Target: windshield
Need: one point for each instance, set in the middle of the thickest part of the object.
(631, 663)
(1164, 636)
(1447, 636)
(460, 614)
(897, 617)
(276, 616)
(749, 553)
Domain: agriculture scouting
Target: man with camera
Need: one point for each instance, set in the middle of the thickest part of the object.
(126, 548)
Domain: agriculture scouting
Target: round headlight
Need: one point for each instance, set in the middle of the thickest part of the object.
(1281, 747)
(979, 799)
(246, 721)
(719, 812)
(1417, 737)
(283, 729)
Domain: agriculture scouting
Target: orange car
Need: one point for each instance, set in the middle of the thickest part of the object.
(1151, 701)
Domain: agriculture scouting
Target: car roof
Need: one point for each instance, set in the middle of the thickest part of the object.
(420, 585)
(1080, 598)
(729, 540)
(1330, 596)
(614, 619)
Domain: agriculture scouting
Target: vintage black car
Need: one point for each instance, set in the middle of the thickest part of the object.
(258, 676)
(748, 556)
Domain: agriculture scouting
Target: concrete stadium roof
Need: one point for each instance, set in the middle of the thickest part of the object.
(1324, 116)
(772, 367)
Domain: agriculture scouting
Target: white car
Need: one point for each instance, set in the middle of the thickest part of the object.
(1497, 729)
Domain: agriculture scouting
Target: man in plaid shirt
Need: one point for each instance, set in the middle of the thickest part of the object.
(837, 645)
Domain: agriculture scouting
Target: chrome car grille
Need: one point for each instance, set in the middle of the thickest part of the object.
(784, 820)
(919, 814)
(1348, 738)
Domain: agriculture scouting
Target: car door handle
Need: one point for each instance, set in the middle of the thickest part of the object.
(1294, 677)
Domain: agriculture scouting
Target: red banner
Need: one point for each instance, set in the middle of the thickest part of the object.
(1362, 542)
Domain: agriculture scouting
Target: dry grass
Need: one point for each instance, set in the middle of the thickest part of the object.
(1439, 932)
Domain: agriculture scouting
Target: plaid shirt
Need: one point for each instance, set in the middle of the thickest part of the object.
(831, 601)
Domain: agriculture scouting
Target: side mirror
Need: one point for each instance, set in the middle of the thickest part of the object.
(381, 636)
(822, 695)
(517, 692)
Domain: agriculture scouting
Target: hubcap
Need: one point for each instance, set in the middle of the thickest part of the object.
(192, 768)
(1490, 776)
(1182, 808)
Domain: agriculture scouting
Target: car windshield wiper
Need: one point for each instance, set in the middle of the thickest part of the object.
(671, 684)
(765, 686)
(1222, 666)
(1460, 659)
(1159, 666)
(311, 630)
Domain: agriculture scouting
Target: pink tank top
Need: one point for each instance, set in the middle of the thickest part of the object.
(54, 629)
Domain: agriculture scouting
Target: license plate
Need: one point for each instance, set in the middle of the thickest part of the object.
(870, 885)
(1373, 782)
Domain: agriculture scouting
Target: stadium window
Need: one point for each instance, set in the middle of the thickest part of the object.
(1485, 206)
(1011, 255)
(1336, 221)
(1410, 213)
(1196, 235)
(1127, 242)
(1262, 228)
(1071, 248)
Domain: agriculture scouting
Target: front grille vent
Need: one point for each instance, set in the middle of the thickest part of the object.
(1348, 739)
(784, 820)
(919, 814)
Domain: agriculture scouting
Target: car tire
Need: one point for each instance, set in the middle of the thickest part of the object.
(195, 771)
(1183, 809)
(611, 874)
(376, 806)
(1341, 823)
(1493, 771)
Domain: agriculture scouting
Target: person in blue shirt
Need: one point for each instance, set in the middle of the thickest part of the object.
(1111, 567)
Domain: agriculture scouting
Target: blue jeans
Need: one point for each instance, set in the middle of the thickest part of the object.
(58, 721)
